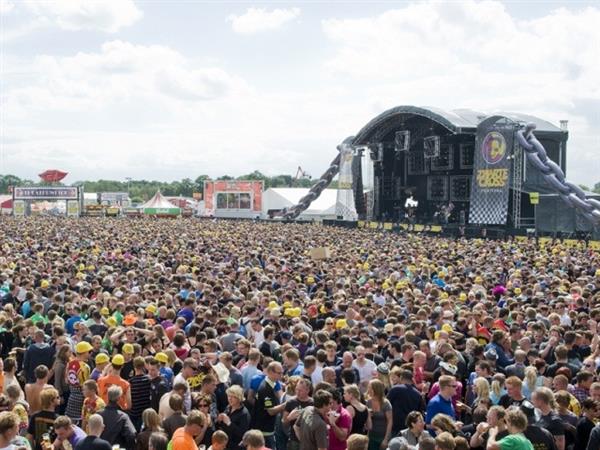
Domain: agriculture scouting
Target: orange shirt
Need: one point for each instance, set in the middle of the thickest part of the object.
(111, 380)
(182, 440)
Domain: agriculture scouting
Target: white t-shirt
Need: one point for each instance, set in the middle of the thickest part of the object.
(365, 372)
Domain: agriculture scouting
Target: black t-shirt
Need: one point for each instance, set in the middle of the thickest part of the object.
(40, 423)
(93, 443)
(289, 407)
(266, 398)
(553, 423)
(507, 402)
(540, 439)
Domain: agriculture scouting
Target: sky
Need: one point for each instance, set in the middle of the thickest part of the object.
(164, 90)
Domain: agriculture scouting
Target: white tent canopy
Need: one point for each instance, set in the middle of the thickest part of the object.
(158, 201)
(279, 198)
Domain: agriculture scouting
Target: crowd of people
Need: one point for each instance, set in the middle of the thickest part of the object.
(188, 334)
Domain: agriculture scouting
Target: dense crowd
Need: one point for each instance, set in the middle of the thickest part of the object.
(187, 334)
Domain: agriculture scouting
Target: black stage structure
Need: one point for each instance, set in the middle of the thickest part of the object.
(437, 159)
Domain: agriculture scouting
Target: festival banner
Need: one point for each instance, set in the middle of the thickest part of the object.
(491, 172)
(19, 208)
(46, 193)
(72, 208)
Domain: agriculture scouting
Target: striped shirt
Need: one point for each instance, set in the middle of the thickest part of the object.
(140, 394)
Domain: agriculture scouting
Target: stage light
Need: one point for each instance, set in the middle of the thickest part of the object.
(376, 151)
(402, 141)
(431, 146)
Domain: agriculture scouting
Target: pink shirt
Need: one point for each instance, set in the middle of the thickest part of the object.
(344, 421)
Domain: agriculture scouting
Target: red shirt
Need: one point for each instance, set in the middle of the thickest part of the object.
(344, 421)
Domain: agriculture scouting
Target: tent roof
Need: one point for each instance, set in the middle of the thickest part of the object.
(292, 196)
(158, 201)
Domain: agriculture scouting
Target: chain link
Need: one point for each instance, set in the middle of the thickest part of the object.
(571, 194)
(293, 212)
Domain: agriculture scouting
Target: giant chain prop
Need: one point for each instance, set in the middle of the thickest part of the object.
(294, 211)
(571, 194)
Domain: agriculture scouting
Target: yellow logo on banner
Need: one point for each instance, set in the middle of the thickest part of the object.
(490, 178)
(594, 245)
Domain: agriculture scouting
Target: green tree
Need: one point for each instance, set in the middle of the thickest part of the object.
(199, 183)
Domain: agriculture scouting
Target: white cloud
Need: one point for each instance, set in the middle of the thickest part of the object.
(255, 20)
(120, 72)
(474, 54)
(103, 15)
(6, 6)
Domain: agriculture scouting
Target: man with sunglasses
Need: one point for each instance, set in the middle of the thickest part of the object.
(441, 403)
(267, 404)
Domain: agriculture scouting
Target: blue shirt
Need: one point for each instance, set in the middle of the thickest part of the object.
(439, 405)
(257, 379)
(187, 314)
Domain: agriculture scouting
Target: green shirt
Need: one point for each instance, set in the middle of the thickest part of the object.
(515, 442)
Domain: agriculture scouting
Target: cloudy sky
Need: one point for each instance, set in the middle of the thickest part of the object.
(166, 89)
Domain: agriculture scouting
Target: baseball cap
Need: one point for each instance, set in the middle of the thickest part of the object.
(118, 360)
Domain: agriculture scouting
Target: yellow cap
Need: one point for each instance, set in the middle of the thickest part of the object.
(104, 311)
(118, 360)
(162, 357)
(462, 297)
(273, 305)
(128, 348)
(287, 304)
(111, 322)
(444, 295)
(341, 323)
(44, 284)
(310, 280)
(102, 358)
(83, 347)
(518, 291)
(151, 309)
(81, 267)
(447, 328)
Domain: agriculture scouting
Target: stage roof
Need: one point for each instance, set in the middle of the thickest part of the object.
(457, 120)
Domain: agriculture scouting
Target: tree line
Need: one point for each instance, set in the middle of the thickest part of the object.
(141, 190)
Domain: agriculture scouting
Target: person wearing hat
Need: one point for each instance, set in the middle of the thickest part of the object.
(78, 372)
(113, 378)
(101, 361)
(164, 369)
(127, 350)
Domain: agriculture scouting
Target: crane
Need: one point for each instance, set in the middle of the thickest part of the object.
(300, 175)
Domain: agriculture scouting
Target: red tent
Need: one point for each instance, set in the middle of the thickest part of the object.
(52, 176)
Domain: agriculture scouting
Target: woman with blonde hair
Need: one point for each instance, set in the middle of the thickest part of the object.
(379, 422)
(481, 389)
(497, 388)
(531, 381)
(235, 421)
(357, 409)
(152, 424)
